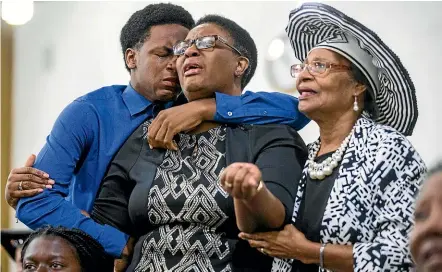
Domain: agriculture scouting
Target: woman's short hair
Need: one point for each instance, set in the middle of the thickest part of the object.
(91, 255)
(241, 41)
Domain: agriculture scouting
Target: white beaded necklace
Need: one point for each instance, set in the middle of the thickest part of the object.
(325, 168)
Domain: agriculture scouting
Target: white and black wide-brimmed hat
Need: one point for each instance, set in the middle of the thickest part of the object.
(316, 25)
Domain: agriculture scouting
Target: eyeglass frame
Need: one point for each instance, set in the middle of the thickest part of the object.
(328, 67)
(217, 38)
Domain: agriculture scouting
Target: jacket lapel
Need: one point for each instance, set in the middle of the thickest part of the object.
(336, 226)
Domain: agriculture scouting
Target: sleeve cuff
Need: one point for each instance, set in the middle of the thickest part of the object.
(227, 107)
(115, 239)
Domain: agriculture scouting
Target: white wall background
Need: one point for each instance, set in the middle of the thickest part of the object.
(71, 48)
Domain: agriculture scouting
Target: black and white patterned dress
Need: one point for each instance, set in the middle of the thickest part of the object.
(371, 204)
(188, 210)
(171, 202)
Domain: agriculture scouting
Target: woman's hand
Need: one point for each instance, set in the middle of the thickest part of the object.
(241, 180)
(288, 243)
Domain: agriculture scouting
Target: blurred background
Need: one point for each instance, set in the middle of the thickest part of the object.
(53, 52)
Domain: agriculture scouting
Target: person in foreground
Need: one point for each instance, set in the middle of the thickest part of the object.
(426, 237)
(61, 249)
(89, 131)
(173, 202)
(355, 201)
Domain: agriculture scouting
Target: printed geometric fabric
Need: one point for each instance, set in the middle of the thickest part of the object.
(188, 208)
(371, 205)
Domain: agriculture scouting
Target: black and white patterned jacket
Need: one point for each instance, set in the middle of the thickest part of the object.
(371, 204)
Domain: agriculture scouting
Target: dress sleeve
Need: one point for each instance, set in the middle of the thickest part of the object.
(280, 154)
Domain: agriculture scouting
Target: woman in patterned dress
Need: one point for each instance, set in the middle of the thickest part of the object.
(426, 237)
(172, 201)
(355, 200)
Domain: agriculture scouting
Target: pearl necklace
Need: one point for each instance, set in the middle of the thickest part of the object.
(321, 170)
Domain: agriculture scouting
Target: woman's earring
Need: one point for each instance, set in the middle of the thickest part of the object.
(355, 104)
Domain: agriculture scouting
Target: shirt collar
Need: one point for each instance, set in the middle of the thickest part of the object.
(134, 101)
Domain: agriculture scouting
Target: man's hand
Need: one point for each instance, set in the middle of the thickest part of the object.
(121, 264)
(25, 182)
(178, 119)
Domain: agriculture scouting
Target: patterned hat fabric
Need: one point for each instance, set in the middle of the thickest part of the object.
(317, 25)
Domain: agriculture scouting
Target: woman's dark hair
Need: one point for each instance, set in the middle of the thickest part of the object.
(241, 41)
(90, 253)
(369, 103)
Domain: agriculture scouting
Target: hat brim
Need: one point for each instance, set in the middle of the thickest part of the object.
(313, 23)
(11, 239)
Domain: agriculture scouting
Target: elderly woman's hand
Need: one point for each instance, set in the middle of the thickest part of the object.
(241, 180)
(288, 243)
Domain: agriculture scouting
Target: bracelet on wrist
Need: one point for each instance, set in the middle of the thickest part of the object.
(321, 255)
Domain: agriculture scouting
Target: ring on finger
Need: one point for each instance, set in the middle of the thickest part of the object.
(20, 186)
(229, 185)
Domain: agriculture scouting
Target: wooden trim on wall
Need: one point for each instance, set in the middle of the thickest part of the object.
(5, 129)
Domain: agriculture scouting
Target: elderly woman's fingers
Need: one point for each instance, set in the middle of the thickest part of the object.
(258, 244)
(258, 236)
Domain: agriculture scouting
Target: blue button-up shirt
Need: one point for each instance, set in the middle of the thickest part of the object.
(89, 132)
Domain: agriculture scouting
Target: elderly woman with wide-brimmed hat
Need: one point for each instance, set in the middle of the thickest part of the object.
(355, 201)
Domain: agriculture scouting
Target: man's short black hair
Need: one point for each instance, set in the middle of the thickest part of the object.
(137, 28)
(241, 41)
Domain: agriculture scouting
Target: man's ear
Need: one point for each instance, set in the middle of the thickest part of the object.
(243, 64)
(131, 58)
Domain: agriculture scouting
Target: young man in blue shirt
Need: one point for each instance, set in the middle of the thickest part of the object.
(90, 130)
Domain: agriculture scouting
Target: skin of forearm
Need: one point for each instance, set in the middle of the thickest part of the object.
(245, 221)
(207, 108)
(263, 210)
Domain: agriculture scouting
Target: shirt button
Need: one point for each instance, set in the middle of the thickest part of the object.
(229, 113)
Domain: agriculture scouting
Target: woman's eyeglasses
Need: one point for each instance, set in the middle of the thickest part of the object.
(316, 68)
(204, 42)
